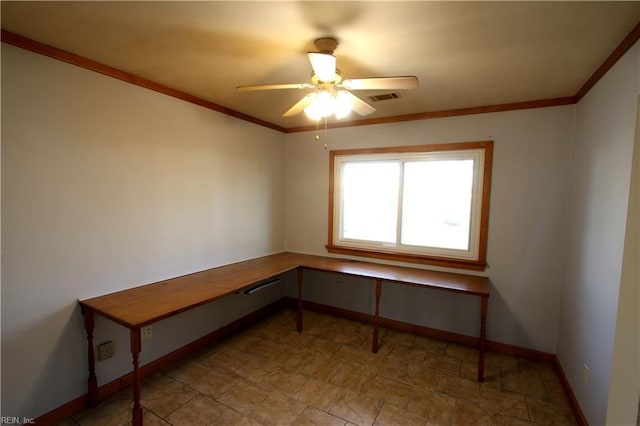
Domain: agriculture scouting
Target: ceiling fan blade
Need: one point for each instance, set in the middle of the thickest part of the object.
(274, 87)
(300, 105)
(324, 66)
(357, 104)
(381, 83)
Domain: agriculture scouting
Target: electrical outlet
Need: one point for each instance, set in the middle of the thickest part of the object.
(147, 332)
(105, 350)
(585, 373)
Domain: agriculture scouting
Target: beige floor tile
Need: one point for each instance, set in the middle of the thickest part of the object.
(407, 354)
(325, 346)
(319, 366)
(384, 348)
(427, 344)
(284, 382)
(363, 358)
(297, 340)
(244, 397)
(216, 382)
(525, 385)
(516, 421)
(469, 414)
(385, 389)
(245, 364)
(537, 369)
(267, 349)
(230, 358)
(508, 403)
(356, 408)
(116, 412)
(450, 366)
(458, 387)
(556, 394)
(293, 359)
(436, 407)
(201, 410)
(187, 372)
(506, 363)
(319, 394)
(278, 409)
(150, 419)
(314, 417)
(275, 332)
(233, 418)
(352, 377)
(413, 373)
(463, 353)
(397, 337)
(391, 415)
(327, 375)
(354, 338)
(243, 341)
(164, 400)
(492, 376)
(543, 412)
(419, 374)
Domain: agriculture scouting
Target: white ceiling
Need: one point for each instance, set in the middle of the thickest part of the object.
(465, 54)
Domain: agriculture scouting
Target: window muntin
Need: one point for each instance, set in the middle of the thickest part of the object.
(427, 204)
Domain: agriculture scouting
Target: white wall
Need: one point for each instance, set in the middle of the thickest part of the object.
(599, 194)
(623, 389)
(526, 229)
(106, 186)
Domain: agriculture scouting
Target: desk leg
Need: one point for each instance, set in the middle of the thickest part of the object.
(376, 317)
(299, 319)
(93, 381)
(136, 347)
(483, 338)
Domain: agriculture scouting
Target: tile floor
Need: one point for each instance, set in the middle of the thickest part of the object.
(272, 375)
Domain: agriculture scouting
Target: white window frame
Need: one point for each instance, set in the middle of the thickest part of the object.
(474, 258)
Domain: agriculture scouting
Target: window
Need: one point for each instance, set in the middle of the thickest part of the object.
(426, 204)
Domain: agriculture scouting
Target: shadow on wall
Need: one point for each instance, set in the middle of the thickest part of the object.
(428, 308)
(37, 383)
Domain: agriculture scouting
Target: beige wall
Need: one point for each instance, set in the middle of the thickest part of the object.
(105, 186)
(599, 185)
(625, 366)
(526, 225)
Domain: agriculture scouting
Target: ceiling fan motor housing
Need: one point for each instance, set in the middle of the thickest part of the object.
(326, 44)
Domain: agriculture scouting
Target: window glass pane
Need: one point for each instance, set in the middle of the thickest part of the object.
(436, 205)
(370, 200)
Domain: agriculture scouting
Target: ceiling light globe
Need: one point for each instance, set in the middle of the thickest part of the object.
(342, 104)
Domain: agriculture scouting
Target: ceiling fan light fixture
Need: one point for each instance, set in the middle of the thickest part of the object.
(342, 104)
(326, 103)
(324, 66)
(321, 106)
(337, 78)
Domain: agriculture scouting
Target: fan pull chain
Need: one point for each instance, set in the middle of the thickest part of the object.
(326, 130)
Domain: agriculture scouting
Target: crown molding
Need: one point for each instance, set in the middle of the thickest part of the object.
(71, 58)
(80, 61)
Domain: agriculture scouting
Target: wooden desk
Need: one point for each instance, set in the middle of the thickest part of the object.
(140, 306)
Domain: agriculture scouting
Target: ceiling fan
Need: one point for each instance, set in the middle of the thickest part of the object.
(331, 95)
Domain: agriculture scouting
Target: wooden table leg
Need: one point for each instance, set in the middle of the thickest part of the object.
(376, 317)
(136, 347)
(483, 338)
(299, 319)
(92, 381)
